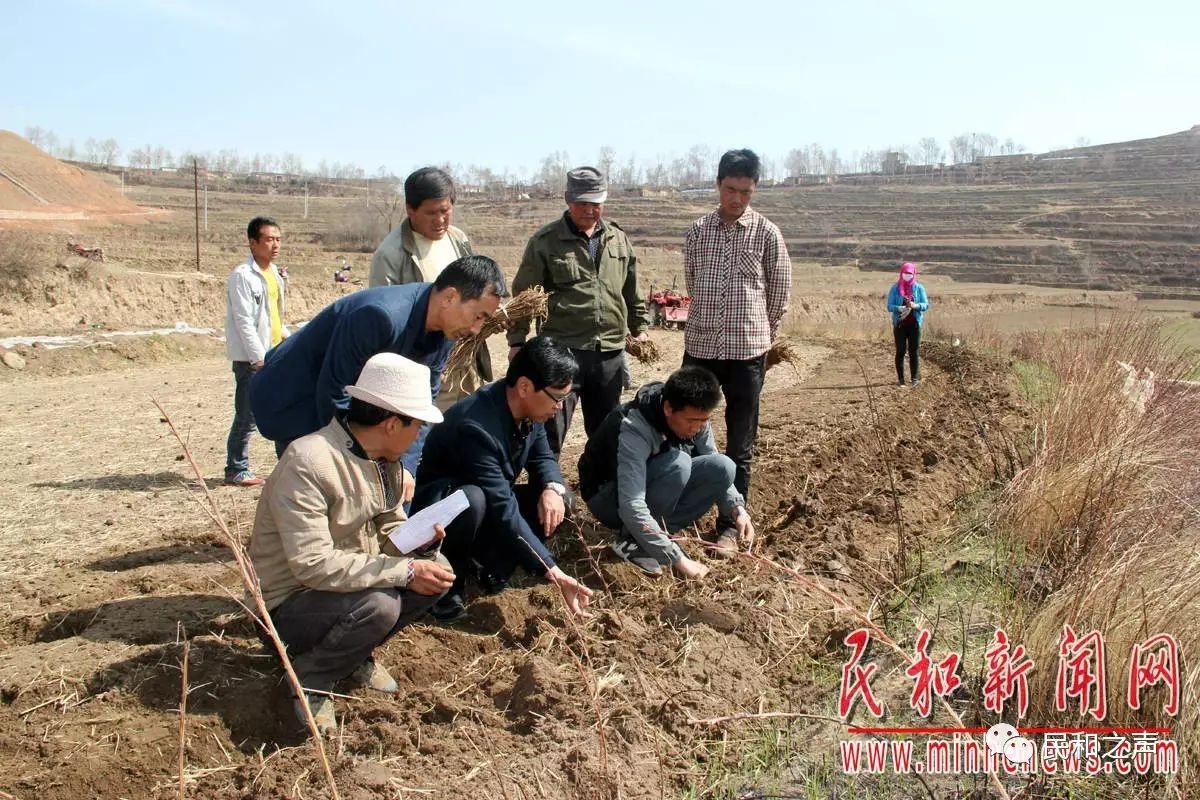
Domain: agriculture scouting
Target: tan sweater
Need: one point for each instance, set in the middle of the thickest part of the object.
(322, 519)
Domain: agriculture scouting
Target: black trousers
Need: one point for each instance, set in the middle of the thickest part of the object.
(908, 337)
(474, 540)
(741, 383)
(597, 387)
(329, 634)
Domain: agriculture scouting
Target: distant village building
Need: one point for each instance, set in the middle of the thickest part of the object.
(894, 163)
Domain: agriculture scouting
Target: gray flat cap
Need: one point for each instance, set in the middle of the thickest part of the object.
(586, 185)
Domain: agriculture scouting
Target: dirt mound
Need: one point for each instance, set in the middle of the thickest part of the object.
(32, 181)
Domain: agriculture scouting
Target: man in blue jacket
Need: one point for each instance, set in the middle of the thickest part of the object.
(484, 444)
(302, 381)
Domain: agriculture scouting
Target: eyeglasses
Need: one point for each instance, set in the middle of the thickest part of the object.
(558, 400)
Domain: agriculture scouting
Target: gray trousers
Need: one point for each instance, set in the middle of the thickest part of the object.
(679, 490)
(329, 634)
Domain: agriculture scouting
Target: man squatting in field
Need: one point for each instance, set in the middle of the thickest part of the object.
(589, 270)
(739, 275)
(488, 439)
(653, 468)
(334, 585)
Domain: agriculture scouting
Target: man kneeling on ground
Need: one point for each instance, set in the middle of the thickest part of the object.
(488, 439)
(320, 544)
(653, 461)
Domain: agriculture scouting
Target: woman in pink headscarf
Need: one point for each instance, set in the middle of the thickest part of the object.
(908, 303)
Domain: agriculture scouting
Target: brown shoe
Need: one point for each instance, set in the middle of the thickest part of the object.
(726, 545)
(374, 676)
(322, 711)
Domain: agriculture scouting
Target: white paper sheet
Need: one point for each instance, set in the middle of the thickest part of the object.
(418, 530)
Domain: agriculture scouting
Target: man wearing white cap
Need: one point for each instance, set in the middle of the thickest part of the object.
(320, 545)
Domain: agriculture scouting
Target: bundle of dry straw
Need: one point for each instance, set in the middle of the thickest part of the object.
(782, 350)
(645, 351)
(529, 304)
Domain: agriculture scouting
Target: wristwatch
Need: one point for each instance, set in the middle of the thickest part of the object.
(557, 488)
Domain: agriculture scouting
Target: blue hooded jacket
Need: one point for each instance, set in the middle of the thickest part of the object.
(895, 302)
(302, 381)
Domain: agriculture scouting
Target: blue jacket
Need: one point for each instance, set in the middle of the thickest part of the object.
(302, 381)
(895, 302)
(480, 443)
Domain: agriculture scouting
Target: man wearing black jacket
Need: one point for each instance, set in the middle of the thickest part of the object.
(486, 441)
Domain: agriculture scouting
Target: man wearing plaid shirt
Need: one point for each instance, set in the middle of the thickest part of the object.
(739, 275)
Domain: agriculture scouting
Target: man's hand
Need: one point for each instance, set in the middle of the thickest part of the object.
(551, 511)
(408, 484)
(745, 528)
(430, 578)
(644, 336)
(690, 569)
(512, 351)
(256, 365)
(577, 595)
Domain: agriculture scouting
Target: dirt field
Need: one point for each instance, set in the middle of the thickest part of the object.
(108, 561)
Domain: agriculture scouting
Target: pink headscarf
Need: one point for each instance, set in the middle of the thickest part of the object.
(905, 286)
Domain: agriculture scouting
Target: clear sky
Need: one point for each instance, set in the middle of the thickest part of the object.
(502, 84)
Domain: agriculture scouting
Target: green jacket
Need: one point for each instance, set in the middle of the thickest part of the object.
(589, 304)
(395, 260)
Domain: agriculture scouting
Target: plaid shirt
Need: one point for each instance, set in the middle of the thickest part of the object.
(740, 279)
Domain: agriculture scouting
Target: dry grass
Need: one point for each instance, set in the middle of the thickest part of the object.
(782, 350)
(1108, 509)
(529, 304)
(645, 351)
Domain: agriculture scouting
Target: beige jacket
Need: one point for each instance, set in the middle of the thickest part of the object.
(322, 520)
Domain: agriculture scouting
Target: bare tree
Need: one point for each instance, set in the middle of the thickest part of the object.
(608, 157)
(386, 199)
(628, 174)
(109, 151)
(35, 135)
(553, 171)
(960, 149)
(796, 162)
(931, 151)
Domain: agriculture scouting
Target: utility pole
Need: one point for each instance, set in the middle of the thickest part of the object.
(196, 187)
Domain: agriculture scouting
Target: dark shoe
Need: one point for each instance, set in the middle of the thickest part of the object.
(900, 382)
(322, 711)
(374, 676)
(915, 381)
(449, 608)
(243, 478)
(628, 550)
(491, 584)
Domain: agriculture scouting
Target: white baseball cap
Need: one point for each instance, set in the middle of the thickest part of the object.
(398, 384)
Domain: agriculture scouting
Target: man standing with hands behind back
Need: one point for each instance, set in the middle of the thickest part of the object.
(253, 325)
(588, 268)
(739, 275)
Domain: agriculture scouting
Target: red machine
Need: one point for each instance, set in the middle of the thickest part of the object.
(669, 308)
